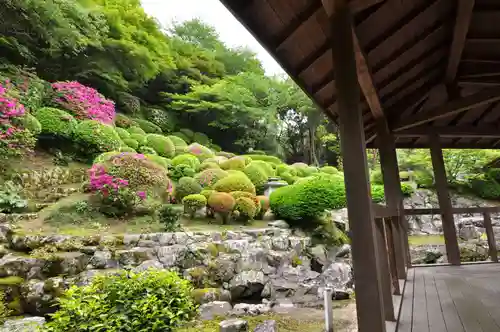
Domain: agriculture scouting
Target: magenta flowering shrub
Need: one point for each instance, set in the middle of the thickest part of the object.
(84, 102)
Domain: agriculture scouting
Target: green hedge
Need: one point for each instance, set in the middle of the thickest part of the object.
(131, 143)
(141, 139)
(186, 159)
(269, 159)
(136, 130)
(55, 121)
(182, 136)
(235, 182)
(235, 163)
(161, 144)
(485, 187)
(94, 137)
(179, 144)
(123, 133)
(123, 121)
(257, 175)
(186, 186)
(32, 124)
(209, 177)
(148, 127)
(201, 138)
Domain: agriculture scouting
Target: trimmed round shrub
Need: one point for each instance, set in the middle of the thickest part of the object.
(179, 144)
(163, 119)
(407, 189)
(209, 177)
(376, 177)
(288, 178)
(123, 121)
(95, 136)
(186, 186)
(182, 136)
(131, 143)
(234, 182)
(252, 197)
(32, 124)
(141, 139)
(207, 193)
(215, 147)
(424, 178)
(186, 159)
(265, 166)
(246, 207)
(225, 154)
(105, 156)
(55, 121)
(126, 149)
(188, 133)
(147, 150)
(235, 163)
(148, 127)
(136, 130)
(377, 192)
(208, 165)
(161, 144)
(269, 159)
(257, 175)
(180, 171)
(201, 138)
(200, 151)
(222, 204)
(193, 203)
(329, 170)
(153, 300)
(128, 103)
(485, 187)
(124, 134)
(162, 161)
(264, 204)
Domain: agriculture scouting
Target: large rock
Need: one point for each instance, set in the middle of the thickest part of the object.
(469, 232)
(267, 326)
(247, 283)
(103, 260)
(39, 297)
(244, 309)
(212, 309)
(28, 324)
(151, 264)
(134, 256)
(279, 224)
(233, 325)
(20, 266)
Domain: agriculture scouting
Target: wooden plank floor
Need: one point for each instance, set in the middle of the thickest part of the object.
(452, 299)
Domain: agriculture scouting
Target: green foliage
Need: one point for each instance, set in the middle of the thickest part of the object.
(10, 198)
(124, 134)
(257, 175)
(186, 186)
(154, 300)
(377, 192)
(182, 136)
(246, 207)
(407, 189)
(147, 150)
(165, 121)
(169, 217)
(329, 170)
(136, 130)
(161, 144)
(32, 124)
(131, 142)
(148, 127)
(269, 159)
(484, 186)
(123, 121)
(182, 170)
(179, 144)
(269, 171)
(55, 121)
(141, 139)
(222, 203)
(235, 163)
(159, 160)
(200, 151)
(128, 103)
(186, 159)
(208, 165)
(193, 203)
(95, 137)
(187, 133)
(424, 178)
(201, 138)
(209, 177)
(207, 193)
(234, 182)
(288, 178)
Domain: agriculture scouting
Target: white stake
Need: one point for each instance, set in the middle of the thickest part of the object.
(328, 309)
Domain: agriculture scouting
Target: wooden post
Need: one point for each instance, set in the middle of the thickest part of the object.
(364, 250)
(385, 271)
(449, 230)
(328, 309)
(390, 225)
(393, 195)
(492, 244)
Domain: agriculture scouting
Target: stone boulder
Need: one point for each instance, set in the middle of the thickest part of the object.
(267, 326)
(233, 325)
(28, 324)
(245, 309)
(278, 224)
(216, 308)
(247, 284)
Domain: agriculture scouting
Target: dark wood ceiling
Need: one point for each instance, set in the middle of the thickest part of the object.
(425, 66)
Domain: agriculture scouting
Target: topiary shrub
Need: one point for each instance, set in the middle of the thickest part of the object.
(131, 143)
(207, 193)
(161, 144)
(186, 159)
(200, 151)
(209, 177)
(246, 207)
(148, 127)
(31, 123)
(235, 163)
(257, 175)
(186, 186)
(193, 203)
(264, 206)
(123, 121)
(407, 189)
(162, 161)
(288, 178)
(141, 139)
(234, 182)
(376, 177)
(136, 130)
(188, 133)
(128, 103)
(55, 122)
(201, 138)
(269, 159)
(146, 150)
(377, 192)
(265, 166)
(484, 187)
(126, 149)
(215, 147)
(225, 154)
(182, 136)
(169, 217)
(124, 134)
(222, 204)
(208, 165)
(179, 144)
(94, 137)
(180, 171)
(329, 170)
(166, 121)
(252, 197)
(153, 300)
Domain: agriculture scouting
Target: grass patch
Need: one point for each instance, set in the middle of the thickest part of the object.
(417, 240)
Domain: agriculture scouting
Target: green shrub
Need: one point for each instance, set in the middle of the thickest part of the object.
(208, 165)
(186, 186)
(215, 147)
(485, 187)
(235, 163)
(246, 207)
(493, 173)
(147, 150)
(169, 217)
(404, 176)
(180, 171)
(424, 178)
(136, 130)
(288, 178)
(166, 121)
(162, 161)
(161, 144)
(209, 177)
(188, 133)
(377, 192)
(225, 154)
(179, 144)
(148, 127)
(234, 182)
(32, 124)
(124, 134)
(10, 198)
(265, 166)
(131, 142)
(252, 197)
(407, 189)
(55, 121)
(126, 149)
(376, 177)
(193, 203)
(257, 175)
(222, 204)
(259, 152)
(269, 159)
(141, 139)
(201, 138)
(329, 170)
(207, 193)
(186, 159)
(200, 151)
(128, 103)
(264, 205)
(182, 136)
(154, 300)
(95, 137)
(123, 121)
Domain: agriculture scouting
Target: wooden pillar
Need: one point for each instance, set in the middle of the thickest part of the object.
(394, 196)
(492, 244)
(449, 230)
(364, 250)
(385, 270)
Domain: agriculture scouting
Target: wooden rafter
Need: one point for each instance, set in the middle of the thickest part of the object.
(464, 14)
(453, 131)
(451, 108)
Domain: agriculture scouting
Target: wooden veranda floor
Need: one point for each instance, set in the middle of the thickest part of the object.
(452, 299)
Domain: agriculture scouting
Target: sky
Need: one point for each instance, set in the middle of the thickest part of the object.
(214, 13)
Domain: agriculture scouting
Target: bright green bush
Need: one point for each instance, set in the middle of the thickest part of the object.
(257, 175)
(209, 177)
(186, 159)
(161, 144)
(215, 147)
(424, 178)
(188, 133)
(182, 136)
(95, 137)
(200, 151)
(180, 171)
(234, 182)
(32, 124)
(252, 197)
(141, 139)
(186, 186)
(193, 203)
(225, 154)
(154, 300)
(264, 205)
(169, 217)
(147, 150)
(376, 177)
(179, 144)
(125, 148)
(148, 127)
(377, 192)
(208, 165)
(269, 159)
(484, 187)
(131, 142)
(329, 170)
(136, 130)
(207, 193)
(124, 134)
(123, 121)
(288, 178)
(55, 121)
(235, 163)
(246, 207)
(222, 204)
(162, 161)
(201, 138)
(265, 166)
(407, 189)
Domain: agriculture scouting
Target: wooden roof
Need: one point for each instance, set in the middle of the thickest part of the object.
(426, 66)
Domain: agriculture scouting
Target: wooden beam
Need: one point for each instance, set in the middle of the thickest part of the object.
(454, 131)
(369, 305)
(462, 22)
(360, 5)
(451, 108)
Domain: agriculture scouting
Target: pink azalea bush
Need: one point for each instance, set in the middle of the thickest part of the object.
(84, 102)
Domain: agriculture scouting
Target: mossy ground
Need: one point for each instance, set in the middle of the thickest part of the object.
(416, 240)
